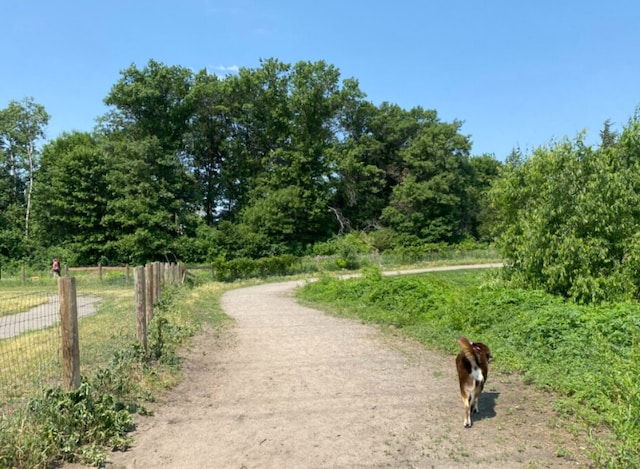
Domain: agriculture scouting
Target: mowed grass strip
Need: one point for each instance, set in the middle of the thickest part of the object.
(29, 362)
(13, 302)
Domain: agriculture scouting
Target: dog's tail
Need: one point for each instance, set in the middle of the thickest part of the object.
(467, 348)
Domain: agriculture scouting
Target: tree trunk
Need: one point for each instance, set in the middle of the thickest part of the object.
(29, 191)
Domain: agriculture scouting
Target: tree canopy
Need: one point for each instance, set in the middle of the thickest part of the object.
(281, 156)
(195, 167)
(22, 127)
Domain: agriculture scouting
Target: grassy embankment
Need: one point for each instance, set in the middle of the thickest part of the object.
(588, 355)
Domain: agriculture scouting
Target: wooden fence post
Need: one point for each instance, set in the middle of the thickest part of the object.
(69, 327)
(157, 282)
(149, 277)
(24, 274)
(100, 272)
(182, 272)
(141, 308)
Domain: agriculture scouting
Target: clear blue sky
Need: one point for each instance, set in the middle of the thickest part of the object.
(517, 73)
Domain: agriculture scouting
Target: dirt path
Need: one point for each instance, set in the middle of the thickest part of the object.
(291, 387)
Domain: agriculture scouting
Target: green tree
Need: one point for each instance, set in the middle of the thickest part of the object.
(149, 204)
(431, 200)
(207, 141)
(70, 197)
(290, 199)
(261, 114)
(568, 218)
(152, 102)
(22, 126)
(403, 169)
(367, 163)
(152, 197)
(480, 218)
(608, 137)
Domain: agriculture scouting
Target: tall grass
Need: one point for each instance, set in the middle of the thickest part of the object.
(586, 354)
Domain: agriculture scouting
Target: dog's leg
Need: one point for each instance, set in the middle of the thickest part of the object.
(466, 400)
(475, 403)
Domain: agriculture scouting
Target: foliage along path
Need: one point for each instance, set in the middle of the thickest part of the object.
(293, 387)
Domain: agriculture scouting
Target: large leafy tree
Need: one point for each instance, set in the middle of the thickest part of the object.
(207, 141)
(70, 197)
(262, 119)
(367, 161)
(22, 126)
(148, 207)
(403, 169)
(152, 197)
(152, 101)
(290, 200)
(431, 201)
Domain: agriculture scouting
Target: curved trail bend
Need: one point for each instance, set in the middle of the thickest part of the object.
(290, 387)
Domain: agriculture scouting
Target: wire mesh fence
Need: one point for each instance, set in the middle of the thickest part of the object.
(113, 328)
(31, 338)
(30, 355)
(30, 333)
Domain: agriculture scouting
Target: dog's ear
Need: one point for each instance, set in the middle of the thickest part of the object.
(485, 349)
(488, 353)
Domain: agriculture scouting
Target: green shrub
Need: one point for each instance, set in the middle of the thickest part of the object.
(275, 266)
(244, 268)
(567, 219)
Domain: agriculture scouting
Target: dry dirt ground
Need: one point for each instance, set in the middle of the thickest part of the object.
(290, 387)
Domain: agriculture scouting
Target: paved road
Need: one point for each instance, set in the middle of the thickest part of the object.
(44, 315)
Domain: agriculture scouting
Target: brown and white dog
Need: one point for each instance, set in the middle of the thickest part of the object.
(473, 367)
